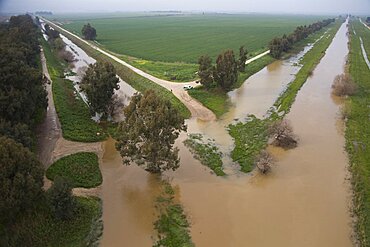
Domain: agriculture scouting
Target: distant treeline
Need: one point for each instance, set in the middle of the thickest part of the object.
(279, 45)
(368, 20)
(22, 95)
(44, 13)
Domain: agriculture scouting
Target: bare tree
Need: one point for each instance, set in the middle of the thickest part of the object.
(343, 85)
(264, 162)
(282, 134)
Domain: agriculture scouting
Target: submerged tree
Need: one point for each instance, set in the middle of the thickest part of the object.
(282, 134)
(148, 132)
(89, 32)
(99, 84)
(205, 71)
(264, 162)
(226, 72)
(21, 179)
(242, 59)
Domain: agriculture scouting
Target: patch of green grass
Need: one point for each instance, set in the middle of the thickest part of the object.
(207, 153)
(358, 131)
(138, 82)
(250, 138)
(40, 228)
(184, 38)
(214, 99)
(74, 115)
(172, 225)
(81, 169)
(177, 72)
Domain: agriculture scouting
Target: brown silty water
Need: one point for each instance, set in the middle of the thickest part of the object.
(302, 202)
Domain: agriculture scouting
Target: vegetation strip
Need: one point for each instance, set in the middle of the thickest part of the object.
(73, 113)
(138, 82)
(251, 137)
(172, 225)
(358, 131)
(207, 153)
(80, 169)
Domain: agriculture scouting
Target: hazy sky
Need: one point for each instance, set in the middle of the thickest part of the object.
(283, 6)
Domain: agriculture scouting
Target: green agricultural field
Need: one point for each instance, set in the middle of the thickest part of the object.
(358, 130)
(184, 38)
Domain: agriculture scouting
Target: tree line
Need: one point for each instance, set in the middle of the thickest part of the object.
(22, 95)
(23, 101)
(225, 72)
(279, 45)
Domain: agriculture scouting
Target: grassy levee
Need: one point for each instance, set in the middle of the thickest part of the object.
(73, 113)
(39, 228)
(80, 169)
(217, 100)
(358, 131)
(138, 82)
(251, 137)
(309, 62)
(208, 153)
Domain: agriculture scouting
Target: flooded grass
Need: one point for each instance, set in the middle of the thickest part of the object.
(73, 113)
(251, 137)
(81, 169)
(172, 225)
(358, 132)
(207, 152)
(40, 228)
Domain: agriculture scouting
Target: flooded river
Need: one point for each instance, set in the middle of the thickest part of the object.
(303, 202)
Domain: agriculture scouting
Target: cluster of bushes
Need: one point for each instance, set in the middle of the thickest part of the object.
(284, 44)
(225, 73)
(23, 97)
(343, 85)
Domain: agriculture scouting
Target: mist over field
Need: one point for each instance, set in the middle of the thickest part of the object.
(282, 6)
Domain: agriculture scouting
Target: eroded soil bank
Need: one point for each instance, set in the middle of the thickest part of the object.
(304, 201)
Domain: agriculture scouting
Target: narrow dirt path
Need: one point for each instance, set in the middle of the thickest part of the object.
(364, 24)
(49, 131)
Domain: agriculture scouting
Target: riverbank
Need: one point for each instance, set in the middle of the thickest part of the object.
(218, 101)
(358, 130)
(245, 133)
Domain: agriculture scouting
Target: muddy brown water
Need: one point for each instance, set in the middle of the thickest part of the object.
(304, 201)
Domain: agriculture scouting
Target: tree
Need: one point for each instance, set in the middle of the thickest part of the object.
(89, 32)
(264, 162)
(242, 58)
(205, 71)
(343, 85)
(148, 132)
(62, 202)
(282, 134)
(21, 179)
(226, 72)
(98, 84)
